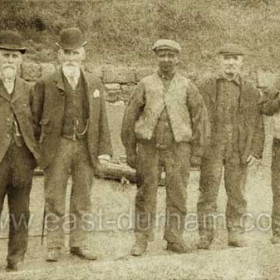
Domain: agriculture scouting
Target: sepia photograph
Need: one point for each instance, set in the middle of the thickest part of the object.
(140, 139)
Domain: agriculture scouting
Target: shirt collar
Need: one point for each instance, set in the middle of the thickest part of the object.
(168, 77)
(236, 79)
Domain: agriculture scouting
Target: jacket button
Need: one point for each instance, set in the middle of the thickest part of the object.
(8, 135)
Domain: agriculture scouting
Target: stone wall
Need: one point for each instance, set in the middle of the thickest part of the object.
(118, 81)
(121, 81)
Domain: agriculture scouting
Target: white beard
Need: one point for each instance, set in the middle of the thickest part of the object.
(8, 72)
(71, 71)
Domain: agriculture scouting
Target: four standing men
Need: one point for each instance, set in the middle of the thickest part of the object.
(164, 125)
(18, 148)
(237, 140)
(69, 108)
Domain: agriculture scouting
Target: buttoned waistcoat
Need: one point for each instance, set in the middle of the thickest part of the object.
(49, 111)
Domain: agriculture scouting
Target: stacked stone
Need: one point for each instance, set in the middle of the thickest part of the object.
(118, 81)
(31, 72)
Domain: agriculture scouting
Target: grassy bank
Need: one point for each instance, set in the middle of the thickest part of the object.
(122, 32)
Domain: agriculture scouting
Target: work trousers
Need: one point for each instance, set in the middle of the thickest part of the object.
(16, 172)
(176, 162)
(275, 184)
(71, 157)
(235, 174)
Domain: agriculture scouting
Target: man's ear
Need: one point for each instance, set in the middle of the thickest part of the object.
(83, 54)
(177, 58)
(20, 59)
(60, 54)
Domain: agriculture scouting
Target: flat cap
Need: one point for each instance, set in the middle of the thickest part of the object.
(164, 44)
(232, 49)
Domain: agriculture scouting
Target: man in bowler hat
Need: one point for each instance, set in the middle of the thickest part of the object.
(237, 141)
(165, 125)
(70, 113)
(18, 148)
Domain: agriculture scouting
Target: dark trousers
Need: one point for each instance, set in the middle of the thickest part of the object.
(150, 161)
(235, 174)
(16, 171)
(275, 184)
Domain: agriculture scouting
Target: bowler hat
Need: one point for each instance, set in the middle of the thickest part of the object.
(11, 40)
(164, 44)
(232, 49)
(71, 39)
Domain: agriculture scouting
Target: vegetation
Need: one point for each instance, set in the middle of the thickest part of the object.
(122, 31)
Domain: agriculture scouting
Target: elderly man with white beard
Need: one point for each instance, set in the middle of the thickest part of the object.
(18, 148)
(72, 128)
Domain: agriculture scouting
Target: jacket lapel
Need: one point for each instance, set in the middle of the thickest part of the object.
(88, 86)
(89, 89)
(19, 88)
(3, 92)
(58, 79)
(242, 99)
(213, 89)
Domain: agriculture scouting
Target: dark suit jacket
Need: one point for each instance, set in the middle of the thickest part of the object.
(21, 108)
(250, 123)
(48, 110)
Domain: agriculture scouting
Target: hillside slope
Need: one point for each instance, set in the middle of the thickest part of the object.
(122, 31)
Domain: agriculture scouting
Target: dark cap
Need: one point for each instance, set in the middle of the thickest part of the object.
(164, 44)
(71, 39)
(11, 40)
(232, 49)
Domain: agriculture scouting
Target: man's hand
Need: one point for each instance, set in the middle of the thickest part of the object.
(104, 159)
(251, 160)
(131, 160)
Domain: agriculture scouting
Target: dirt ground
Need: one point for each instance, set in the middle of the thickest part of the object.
(113, 239)
(259, 261)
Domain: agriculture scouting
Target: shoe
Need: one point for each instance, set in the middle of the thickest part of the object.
(12, 267)
(139, 248)
(176, 247)
(53, 254)
(204, 243)
(83, 253)
(275, 240)
(237, 240)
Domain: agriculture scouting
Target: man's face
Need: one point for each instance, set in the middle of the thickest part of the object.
(9, 63)
(71, 57)
(71, 60)
(167, 60)
(231, 64)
